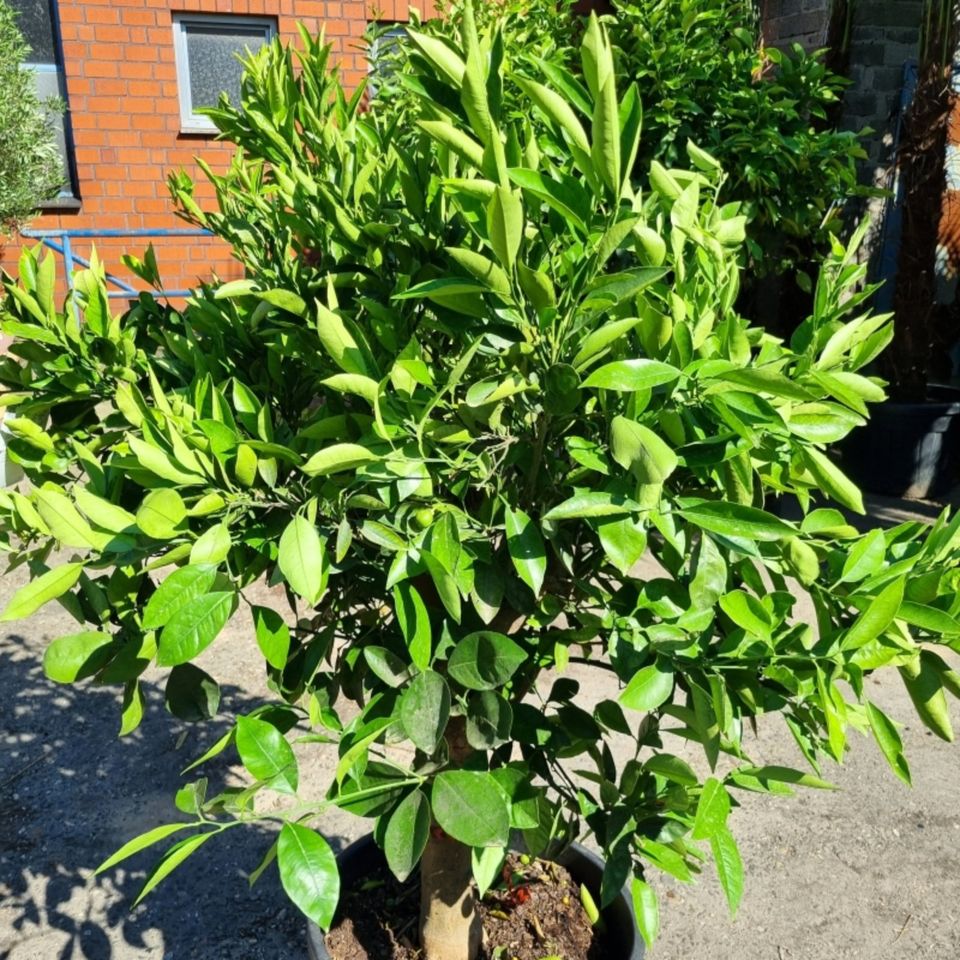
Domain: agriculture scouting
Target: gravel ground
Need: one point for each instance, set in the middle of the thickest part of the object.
(870, 871)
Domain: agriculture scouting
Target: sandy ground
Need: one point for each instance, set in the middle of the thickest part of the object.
(868, 872)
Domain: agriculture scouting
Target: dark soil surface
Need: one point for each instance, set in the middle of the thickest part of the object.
(534, 914)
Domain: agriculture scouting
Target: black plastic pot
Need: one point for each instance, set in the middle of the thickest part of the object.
(907, 449)
(363, 857)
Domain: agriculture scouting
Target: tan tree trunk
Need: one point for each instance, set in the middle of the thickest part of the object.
(449, 922)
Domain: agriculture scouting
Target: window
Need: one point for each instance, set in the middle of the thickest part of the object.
(208, 49)
(383, 51)
(38, 24)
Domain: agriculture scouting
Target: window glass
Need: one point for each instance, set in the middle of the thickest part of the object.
(36, 25)
(208, 49)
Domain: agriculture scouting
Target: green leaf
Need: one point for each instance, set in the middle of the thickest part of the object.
(746, 611)
(48, 586)
(865, 558)
(386, 666)
(526, 548)
(629, 376)
(406, 834)
(593, 504)
(713, 808)
(302, 559)
(194, 626)
(487, 864)
(832, 480)
(565, 195)
(337, 458)
(885, 733)
(212, 546)
(414, 623)
(445, 584)
(624, 542)
(470, 807)
(638, 449)
(729, 867)
(424, 710)
(482, 269)
(103, 513)
(612, 289)
(929, 618)
(489, 720)
(650, 688)
(65, 522)
(308, 872)
(161, 513)
(605, 150)
(877, 617)
(172, 859)
(76, 656)
(505, 226)
(339, 342)
(177, 591)
(191, 694)
(672, 768)
(556, 108)
(485, 661)
(266, 754)
(141, 842)
(646, 908)
(735, 520)
(273, 636)
(601, 338)
(924, 684)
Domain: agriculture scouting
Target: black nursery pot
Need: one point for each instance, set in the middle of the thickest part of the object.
(907, 449)
(363, 857)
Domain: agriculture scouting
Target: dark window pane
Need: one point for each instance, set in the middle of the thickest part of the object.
(212, 56)
(36, 25)
(48, 87)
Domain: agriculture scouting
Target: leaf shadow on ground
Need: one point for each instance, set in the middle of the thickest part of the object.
(71, 792)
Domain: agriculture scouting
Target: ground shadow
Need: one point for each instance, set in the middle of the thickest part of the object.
(71, 792)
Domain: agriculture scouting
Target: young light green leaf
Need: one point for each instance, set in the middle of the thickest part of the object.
(212, 546)
(713, 808)
(888, 739)
(877, 617)
(172, 859)
(650, 688)
(161, 514)
(337, 458)
(48, 586)
(729, 867)
(141, 842)
(646, 908)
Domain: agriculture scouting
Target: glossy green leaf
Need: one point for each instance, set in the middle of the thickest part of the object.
(726, 856)
(888, 739)
(735, 520)
(414, 623)
(638, 449)
(646, 908)
(713, 808)
(877, 617)
(194, 626)
(273, 636)
(76, 656)
(526, 548)
(308, 872)
(161, 514)
(179, 588)
(267, 756)
(629, 376)
(302, 559)
(649, 688)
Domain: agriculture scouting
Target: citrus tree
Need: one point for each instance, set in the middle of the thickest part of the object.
(475, 374)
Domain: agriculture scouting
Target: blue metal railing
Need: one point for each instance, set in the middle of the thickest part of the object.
(61, 241)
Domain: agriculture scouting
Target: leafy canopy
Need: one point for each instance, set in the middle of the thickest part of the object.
(482, 406)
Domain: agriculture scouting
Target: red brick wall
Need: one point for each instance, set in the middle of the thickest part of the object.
(123, 98)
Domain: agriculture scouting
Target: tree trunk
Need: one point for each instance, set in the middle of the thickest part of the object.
(449, 922)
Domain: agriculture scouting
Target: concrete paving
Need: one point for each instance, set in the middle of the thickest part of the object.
(869, 871)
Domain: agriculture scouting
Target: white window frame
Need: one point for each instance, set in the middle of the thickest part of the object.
(190, 121)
